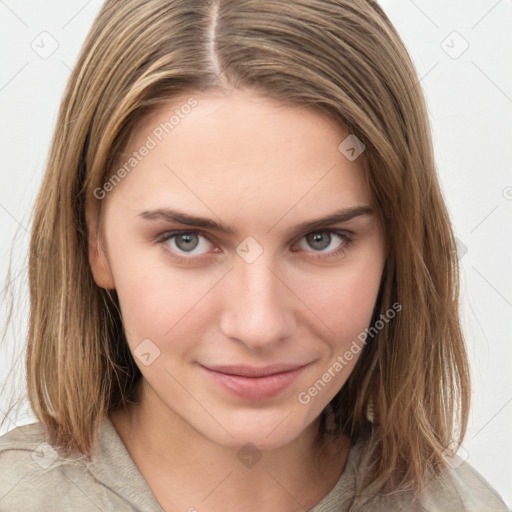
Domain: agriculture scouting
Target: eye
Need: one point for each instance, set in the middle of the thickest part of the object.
(325, 239)
(185, 246)
(186, 242)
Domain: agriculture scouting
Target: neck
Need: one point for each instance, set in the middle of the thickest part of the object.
(184, 469)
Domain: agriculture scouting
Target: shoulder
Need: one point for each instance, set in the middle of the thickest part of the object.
(460, 487)
(24, 454)
(457, 487)
(28, 468)
(33, 477)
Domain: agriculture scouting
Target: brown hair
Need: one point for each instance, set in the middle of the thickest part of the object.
(342, 58)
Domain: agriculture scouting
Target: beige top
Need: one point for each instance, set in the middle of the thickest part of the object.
(34, 479)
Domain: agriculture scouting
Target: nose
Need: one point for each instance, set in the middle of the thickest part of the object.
(257, 309)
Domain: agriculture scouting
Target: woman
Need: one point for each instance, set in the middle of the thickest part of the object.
(304, 351)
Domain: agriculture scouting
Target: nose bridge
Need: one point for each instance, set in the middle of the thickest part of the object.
(261, 284)
(256, 308)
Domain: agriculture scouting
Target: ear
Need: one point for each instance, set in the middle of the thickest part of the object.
(98, 260)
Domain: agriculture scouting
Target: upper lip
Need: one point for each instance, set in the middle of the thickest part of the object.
(253, 371)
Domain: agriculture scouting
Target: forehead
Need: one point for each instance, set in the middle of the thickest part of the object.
(240, 150)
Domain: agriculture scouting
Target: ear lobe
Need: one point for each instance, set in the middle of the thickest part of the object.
(98, 260)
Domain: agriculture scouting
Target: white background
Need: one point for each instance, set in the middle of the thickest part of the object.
(470, 104)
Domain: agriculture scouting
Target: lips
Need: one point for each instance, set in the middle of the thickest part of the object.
(252, 371)
(253, 383)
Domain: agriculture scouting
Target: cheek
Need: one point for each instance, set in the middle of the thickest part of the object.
(160, 305)
(343, 300)
(345, 304)
(156, 301)
(173, 308)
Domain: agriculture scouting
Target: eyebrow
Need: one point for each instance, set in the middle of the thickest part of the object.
(170, 215)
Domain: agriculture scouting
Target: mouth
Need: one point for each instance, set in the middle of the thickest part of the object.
(255, 383)
(252, 371)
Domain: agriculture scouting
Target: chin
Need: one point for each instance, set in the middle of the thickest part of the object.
(267, 430)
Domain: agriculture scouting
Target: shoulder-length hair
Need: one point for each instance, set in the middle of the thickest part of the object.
(409, 392)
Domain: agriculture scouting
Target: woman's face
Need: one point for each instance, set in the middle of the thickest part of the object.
(267, 295)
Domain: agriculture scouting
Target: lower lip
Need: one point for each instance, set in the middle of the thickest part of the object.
(256, 388)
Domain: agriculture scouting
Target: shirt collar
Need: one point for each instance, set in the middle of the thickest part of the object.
(112, 465)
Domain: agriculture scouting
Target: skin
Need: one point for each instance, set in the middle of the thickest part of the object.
(263, 168)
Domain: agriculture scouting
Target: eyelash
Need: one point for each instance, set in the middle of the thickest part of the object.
(344, 247)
